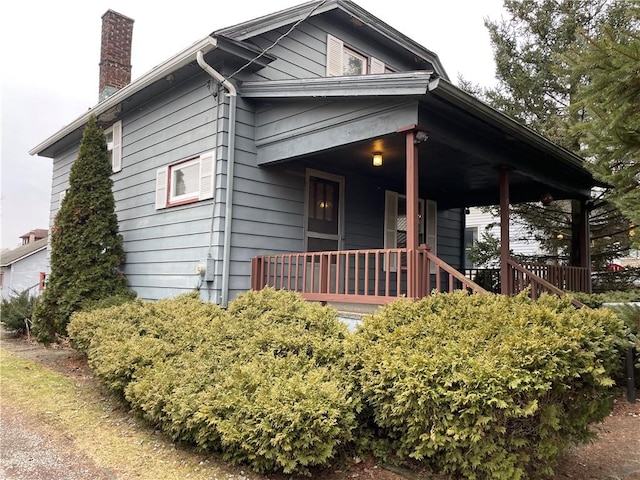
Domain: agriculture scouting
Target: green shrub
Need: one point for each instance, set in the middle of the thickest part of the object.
(630, 315)
(110, 301)
(596, 300)
(263, 382)
(485, 386)
(121, 340)
(17, 311)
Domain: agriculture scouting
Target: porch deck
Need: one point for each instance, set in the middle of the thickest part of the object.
(379, 276)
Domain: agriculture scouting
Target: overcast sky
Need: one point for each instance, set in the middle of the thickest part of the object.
(50, 52)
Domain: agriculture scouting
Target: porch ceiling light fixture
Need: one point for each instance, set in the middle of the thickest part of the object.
(377, 159)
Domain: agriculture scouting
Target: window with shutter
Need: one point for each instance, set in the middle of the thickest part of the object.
(342, 60)
(377, 66)
(61, 196)
(395, 223)
(113, 135)
(186, 181)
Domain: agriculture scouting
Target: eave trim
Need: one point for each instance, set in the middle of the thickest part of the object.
(172, 64)
(445, 90)
(388, 84)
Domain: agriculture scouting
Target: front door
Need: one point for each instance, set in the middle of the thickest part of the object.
(324, 212)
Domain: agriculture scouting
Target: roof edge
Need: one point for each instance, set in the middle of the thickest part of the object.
(386, 84)
(270, 21)
(257, 26)
(36, 247)
(160, 71)
(445, 89)
(388, 31)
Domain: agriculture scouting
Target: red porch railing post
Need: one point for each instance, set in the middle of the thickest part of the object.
(324, 272)
(255, 273)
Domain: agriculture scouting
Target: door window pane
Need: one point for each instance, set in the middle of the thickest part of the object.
(323, 206)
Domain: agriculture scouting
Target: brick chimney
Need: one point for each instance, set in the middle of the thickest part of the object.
(115, 53)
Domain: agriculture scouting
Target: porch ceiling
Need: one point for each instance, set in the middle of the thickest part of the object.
(447, 173)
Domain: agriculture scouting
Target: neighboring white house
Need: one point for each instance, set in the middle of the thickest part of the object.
(521, 242)
(24, 267)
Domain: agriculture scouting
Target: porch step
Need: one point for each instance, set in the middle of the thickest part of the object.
(352, 313)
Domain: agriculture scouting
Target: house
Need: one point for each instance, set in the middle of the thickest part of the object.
(34, 235)
(479, 221)
(24, 267)
(316, 149)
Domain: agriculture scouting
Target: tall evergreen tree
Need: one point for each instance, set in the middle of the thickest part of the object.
(537, 87)
(608, 102)
(86, 248)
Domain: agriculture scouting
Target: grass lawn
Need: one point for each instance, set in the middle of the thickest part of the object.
(99, 426)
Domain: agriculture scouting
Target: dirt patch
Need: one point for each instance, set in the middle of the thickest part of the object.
(615, 454)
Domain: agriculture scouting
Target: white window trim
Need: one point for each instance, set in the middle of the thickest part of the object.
(206, 190)
(428, 227)
(115, 147)
(335, 60)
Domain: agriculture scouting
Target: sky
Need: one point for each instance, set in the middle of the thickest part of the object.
(50, 52)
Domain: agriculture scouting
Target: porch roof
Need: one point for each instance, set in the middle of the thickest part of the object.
(468, 139)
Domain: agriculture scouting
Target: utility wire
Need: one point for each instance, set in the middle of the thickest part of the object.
(293, 27)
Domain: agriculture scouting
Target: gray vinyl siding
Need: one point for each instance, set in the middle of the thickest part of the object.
(293, 129)
(268, 206)
(303, 53)
(163, 246)
(364, 215)
(450, 236)
(24, 274)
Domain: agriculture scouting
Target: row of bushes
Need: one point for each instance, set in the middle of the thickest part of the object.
(477, 386)
(263, 382)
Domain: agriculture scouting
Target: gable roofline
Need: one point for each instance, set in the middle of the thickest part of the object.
(179, 60)
(260, 25)
(23, 251)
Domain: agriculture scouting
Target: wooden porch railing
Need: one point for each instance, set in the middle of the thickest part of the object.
(434, 274)
(521, 277)
(565, 277)
(359, 276)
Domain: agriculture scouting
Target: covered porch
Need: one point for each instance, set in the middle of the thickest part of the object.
(458, 153)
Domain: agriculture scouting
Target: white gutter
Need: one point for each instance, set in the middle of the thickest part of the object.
(157, 73)
(226, 261)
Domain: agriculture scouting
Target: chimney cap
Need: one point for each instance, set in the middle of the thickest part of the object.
(118, 14)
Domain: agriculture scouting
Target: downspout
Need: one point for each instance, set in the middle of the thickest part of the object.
(232, 94)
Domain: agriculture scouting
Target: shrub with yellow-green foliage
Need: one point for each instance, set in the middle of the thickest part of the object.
(263, 382)
(484, 386)
(476, 386)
